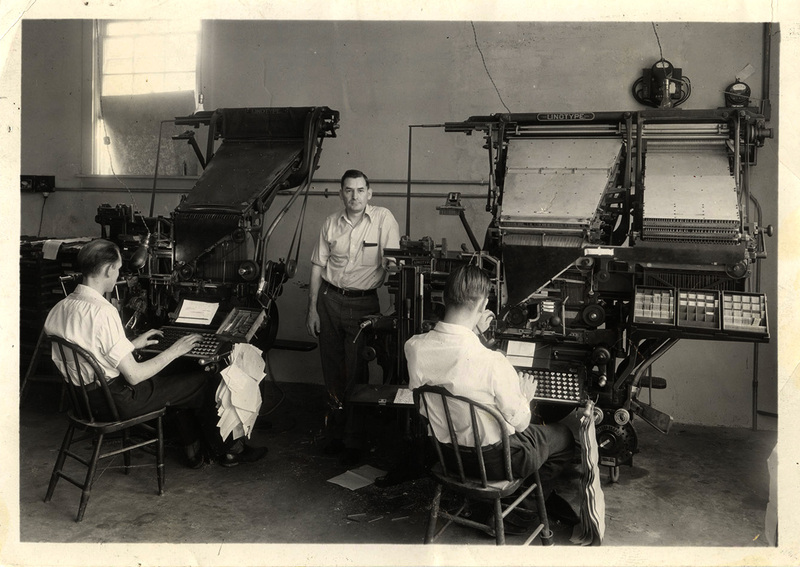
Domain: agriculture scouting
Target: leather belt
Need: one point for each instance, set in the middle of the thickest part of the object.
(89, 387)
(350, 292)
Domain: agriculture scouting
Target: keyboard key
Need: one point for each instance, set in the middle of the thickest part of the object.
(208, 346)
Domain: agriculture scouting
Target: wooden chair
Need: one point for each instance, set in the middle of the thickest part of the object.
(82, 417)
(450, 472)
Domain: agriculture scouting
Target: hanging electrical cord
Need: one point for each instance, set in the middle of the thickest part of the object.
(41, 215)
(658, 39)
(662, 85)
(475, 36)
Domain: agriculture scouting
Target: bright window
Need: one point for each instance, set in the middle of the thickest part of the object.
(146, 73)
(140, 57)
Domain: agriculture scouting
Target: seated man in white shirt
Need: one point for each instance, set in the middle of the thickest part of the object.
(88, 319)
(452, 356)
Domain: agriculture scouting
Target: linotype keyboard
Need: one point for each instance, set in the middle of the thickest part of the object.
(563, 385)
(209, 347)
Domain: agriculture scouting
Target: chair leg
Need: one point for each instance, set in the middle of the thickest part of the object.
(437, 497)
(32, 365)
(59, 466)
(546, 535)
(499, 529)
(160, 456)
(126, 456)
(87, 485)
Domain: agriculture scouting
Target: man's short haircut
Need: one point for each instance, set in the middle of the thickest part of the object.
(97, 254)
(353, 174)
(466, 285)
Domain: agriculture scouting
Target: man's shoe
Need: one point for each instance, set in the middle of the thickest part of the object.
(247, 455)
(560, 510)
(510, 528)
(524, 514)
(483, 513)
(521, 520)
(197, 461)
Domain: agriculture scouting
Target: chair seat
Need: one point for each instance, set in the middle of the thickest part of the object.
(113, 426)
(474, 487)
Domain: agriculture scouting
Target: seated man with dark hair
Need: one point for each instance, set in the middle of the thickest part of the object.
(452, 356)
(88, 319)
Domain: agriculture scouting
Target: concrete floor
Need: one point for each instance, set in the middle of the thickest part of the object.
(697, 486)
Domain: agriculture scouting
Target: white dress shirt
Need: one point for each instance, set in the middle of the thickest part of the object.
(87, 319)
(352, 256)
(452, 356)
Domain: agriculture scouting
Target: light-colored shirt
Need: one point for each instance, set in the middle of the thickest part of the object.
(87, 319)
(352, 256)
(452, 356)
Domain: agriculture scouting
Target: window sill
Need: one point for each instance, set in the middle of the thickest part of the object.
(135, 183)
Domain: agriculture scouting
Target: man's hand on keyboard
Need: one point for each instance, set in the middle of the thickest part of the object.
(185, 344)
(147, 338)
(528, 384)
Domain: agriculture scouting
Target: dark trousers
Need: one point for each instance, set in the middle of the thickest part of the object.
(342, 363)
(188, 396)
(546, 448)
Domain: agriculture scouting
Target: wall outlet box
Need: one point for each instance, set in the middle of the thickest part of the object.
(45, 183)
(37, 183)
(27, 183)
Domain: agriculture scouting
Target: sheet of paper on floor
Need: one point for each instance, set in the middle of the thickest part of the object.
(357, 478)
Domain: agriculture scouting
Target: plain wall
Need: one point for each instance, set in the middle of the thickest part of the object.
(383, 77)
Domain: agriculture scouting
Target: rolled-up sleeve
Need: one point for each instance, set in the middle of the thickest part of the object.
(390, 235)
(321, 249)
(508, 394)
(112, 339)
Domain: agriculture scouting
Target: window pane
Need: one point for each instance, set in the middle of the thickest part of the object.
(178, 65)
(114, 48)
(118, 66)
(178, 82)
(124, 27)
(117, 85)
(149, 64)
(183, 47)
(147, 45)
(148, 83)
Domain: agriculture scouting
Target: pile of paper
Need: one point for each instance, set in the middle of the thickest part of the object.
(238, 394)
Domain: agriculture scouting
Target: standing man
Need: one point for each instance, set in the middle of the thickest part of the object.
(347, 268)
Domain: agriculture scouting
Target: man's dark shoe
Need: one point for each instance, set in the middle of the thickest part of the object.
(483, 513)
(524, 514)
(247, 455)
(510, 528)
(560, 510)
(197, 461)
(522, 520)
